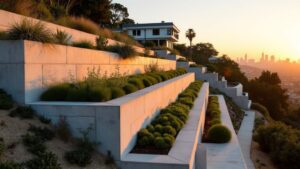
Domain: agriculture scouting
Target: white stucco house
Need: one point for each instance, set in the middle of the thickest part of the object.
(162, 34)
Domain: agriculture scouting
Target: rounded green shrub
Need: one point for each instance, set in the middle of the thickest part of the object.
(169, 130)
(219, 134)
(214, 122)
(77, 94)
(80, 157)
(163, 76)
(158, 128)
(150, 128)
(147, 82)
(130, 88)
(56, 93)
(137, 82)
(215, 114)
(159, 142)
(117, 92)
(157, 134)
(101, 94)
(156, 76)
(169, 139)
(143, 132)
(145, 141)
(186, 101)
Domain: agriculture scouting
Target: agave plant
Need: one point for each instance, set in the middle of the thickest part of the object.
(28, 30)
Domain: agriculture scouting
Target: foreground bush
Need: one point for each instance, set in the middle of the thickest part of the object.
(282, 142)
(28, 30)
(164, 128)
(100, 89)
(219, 134)
(23, 112)
(46, 160)
(6, 101)
(262, 109)
(10, 165)
(84, 44)
(124, 51)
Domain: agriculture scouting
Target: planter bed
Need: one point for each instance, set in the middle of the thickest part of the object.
(100, 89)
(182, 154)
(214, 131)
(159, 136)
(115, 123)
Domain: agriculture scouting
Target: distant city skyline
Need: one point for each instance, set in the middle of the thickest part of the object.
(234, 27)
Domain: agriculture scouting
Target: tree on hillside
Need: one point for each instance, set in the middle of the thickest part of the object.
(267, 91)
(230, 70)
(190, 34)
(118, 14)
(96, 10)
(202, 51)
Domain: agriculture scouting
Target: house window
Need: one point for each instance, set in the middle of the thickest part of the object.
(156, 32)
(170, 31)
(136, 32)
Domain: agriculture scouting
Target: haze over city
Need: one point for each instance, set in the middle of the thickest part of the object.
(235, 27)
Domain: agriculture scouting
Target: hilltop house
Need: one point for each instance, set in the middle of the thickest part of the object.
(162, 34)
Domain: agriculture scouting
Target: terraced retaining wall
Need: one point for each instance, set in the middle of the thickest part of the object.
(115, 123)
(182, 154)
(9, 18)
(28, 67)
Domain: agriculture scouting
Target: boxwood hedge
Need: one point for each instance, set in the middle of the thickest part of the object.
(162, 131)
(101, 91)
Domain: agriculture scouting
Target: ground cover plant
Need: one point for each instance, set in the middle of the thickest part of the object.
(281, 142)
(100, 88)
(159, 136)
(6, 102)
(214, 131)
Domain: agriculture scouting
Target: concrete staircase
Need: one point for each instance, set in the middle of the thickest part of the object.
(235, 92)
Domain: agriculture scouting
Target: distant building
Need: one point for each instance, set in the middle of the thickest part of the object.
(162, 34)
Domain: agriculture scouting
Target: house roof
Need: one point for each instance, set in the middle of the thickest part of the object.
(140, 25)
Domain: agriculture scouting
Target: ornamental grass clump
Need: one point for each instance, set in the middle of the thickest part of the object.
(28, 30)
(124, 51)
(161, 133)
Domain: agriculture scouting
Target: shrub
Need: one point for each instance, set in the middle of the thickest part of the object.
(214, 122)
(84, 44)
(34, 144)
(219, 134)
(6, 101)
(186, 101)
(61, 37)
(10, 165)
(262, 109)
(46, 160)
(44, 120)
(23, 112)
(137, 82)
(101, 43)
(153, 67)
(169, 130)
(101, 94)
(80, 23)
(147, 82)
(130, 88)
(2, 147)
(27, 30)
(79, 157)
(56, 93)
(62, 130)
(117, 92)
(160, 143)
(124, 51)
(43, 133)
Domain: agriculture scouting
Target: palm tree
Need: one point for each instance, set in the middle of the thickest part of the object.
(190, 34)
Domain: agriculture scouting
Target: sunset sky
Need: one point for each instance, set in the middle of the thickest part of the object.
(235, 27)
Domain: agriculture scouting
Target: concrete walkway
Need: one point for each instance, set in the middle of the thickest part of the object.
(245, 137)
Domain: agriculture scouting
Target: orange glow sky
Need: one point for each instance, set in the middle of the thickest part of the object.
(235, 27)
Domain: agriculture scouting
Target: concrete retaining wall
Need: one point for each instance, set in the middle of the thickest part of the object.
(9, 18)
(182, 154)
(235, 92)
(27, 67)
(115, 123)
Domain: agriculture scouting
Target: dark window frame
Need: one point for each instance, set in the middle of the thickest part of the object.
(155, 32)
